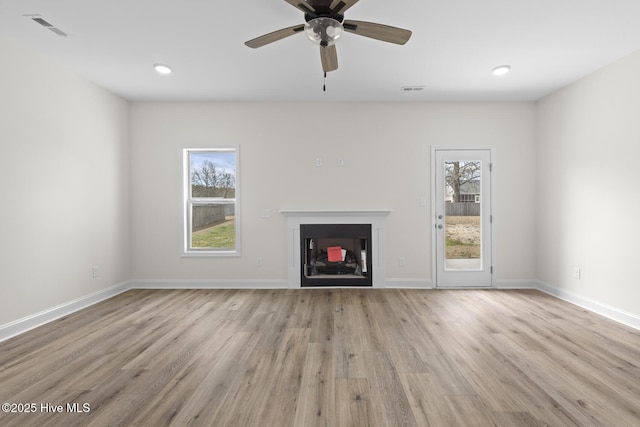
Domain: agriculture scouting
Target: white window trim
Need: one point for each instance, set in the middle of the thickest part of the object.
(187, 203)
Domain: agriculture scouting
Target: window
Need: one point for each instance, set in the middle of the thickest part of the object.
(211, 202)
(470, 198)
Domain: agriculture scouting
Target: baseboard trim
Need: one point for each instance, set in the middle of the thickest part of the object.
(605, 310)
(408, 284)
(516, 284)
(27, 323)
(210, 284)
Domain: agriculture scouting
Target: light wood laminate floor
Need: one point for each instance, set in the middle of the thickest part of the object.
(325, 357)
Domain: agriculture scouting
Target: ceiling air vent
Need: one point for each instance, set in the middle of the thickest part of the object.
(40, 20)
(412, 88)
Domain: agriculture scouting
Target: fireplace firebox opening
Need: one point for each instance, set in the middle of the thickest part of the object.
(335, 255)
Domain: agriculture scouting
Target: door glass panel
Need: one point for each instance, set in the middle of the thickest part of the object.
(463, 215)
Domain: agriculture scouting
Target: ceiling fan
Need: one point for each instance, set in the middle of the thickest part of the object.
(324, 25)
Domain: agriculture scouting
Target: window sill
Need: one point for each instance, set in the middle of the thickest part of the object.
(209, 254)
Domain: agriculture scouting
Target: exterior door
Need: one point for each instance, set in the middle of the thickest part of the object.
(462, 218)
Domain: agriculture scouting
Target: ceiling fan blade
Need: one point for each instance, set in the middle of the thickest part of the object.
(329, 58)
(274, 36)
(340, 6)
(382, 32)
(302, 5)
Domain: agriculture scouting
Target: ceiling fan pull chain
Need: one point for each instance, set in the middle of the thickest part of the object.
(324, 83)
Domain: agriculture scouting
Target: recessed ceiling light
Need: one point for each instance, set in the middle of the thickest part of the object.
(501, 70)
(162, 69)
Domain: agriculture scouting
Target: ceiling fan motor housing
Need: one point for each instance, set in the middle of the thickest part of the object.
(323, 12)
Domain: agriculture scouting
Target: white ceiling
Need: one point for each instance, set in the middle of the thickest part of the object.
(454, 46)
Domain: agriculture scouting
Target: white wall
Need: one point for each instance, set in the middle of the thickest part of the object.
(76, 194)
(64, 177)
(386, 150)
(589, 187)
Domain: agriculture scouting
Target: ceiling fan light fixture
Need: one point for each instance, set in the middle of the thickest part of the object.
(162, 69)
(501, 70)
(323, 31)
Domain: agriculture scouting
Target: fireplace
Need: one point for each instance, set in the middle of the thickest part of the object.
(335, 254)
(358, 234)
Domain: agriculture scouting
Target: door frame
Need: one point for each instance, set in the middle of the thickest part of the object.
(433, 222)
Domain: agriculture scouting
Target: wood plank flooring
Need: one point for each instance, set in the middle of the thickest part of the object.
(325, 357)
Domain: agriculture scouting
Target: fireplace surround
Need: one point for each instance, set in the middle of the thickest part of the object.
(367, 233)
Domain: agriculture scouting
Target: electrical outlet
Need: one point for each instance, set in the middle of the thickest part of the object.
(340, 162)
(95, 271)
(266, 213)
(401, 261)
(259, 262)
(318, 162)
(577, 273)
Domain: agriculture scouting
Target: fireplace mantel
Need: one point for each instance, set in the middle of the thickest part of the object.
(375, 217)
(307, 213)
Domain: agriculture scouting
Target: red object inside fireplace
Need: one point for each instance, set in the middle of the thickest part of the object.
(334, 253)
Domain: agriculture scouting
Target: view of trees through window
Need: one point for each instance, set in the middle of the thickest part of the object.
(461, 174)
(209, 180)
(462, 209)
(211, 204)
